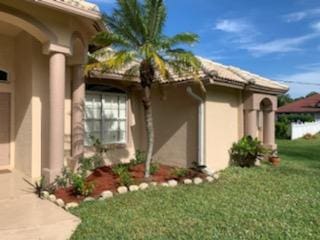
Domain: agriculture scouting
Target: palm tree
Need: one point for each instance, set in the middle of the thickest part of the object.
(135, 35)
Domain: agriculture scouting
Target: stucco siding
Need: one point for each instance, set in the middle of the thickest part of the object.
(23, 103)
(175, 124)
(40, 108)
(7, 63)
(223, 120)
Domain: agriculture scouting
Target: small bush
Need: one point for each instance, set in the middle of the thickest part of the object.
(283, 130)
(180, 172)
(245, 152)
(122, 171)
(154, 168)
(76, 180)
(140, 157)
(97, 160)
(80, 186)
(125, 179)
(64, 179)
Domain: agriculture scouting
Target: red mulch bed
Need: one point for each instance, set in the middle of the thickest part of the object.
(104, 179)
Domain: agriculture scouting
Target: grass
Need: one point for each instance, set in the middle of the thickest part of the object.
(256, 203)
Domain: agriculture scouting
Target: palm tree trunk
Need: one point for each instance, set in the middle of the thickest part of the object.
(149, 127)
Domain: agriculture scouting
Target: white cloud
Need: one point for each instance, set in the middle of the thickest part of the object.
(283, 45)
(232, 25)
(240, 30)
(298, 16)
(316, 26)
(306, 78)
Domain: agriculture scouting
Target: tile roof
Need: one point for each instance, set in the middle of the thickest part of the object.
(218, 72)
(306, 105)
(82, 4)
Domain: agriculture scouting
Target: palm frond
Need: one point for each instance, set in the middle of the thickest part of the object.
(130, 12)
(181, 38)
(155, 17)
(161, 66)
(107, 39)
(185, 58)
(119, 60)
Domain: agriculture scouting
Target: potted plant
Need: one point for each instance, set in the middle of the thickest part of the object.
(274, 159)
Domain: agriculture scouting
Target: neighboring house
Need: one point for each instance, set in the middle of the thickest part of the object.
(44, 98)
(309, 105)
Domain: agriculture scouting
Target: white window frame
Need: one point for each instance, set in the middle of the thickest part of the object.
(102, 119)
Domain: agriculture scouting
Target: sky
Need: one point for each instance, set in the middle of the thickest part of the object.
(278, 39)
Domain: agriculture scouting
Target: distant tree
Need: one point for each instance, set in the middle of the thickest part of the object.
(298, 98)
(284, 99)
(311, 94)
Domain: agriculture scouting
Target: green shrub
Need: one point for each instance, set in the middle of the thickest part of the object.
(140, 157)
(76, 180)
(245, 152)
(64, 179)
(97, 160)
(179, 172)
(80, 186)
(122, 171)
(125, 179)
(283, 130)
(40, 186)
(154, 168)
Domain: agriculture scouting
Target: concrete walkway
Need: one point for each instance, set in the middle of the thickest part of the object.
(23, 216)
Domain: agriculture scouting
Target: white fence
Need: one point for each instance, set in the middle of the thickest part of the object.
(298, 130)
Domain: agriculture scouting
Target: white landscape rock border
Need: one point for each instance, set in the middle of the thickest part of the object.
(133, 188)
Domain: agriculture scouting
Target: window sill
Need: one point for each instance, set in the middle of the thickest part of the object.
(112, 146)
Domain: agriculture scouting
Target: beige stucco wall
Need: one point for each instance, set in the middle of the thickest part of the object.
(7, 63)
(223, 125)
(23, 103)
(175, 123)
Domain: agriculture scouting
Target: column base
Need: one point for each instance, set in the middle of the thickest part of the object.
(50, 174)
(271, 146)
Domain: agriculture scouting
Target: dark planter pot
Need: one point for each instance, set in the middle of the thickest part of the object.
(275, 161)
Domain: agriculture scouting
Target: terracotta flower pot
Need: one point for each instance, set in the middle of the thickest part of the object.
(274, 160)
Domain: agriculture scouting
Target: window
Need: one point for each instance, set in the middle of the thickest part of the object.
(3, 76)
(106, 117)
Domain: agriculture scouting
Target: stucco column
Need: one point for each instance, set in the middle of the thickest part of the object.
(269, 131)
(78, 97)
(251, 123)
(57, 75)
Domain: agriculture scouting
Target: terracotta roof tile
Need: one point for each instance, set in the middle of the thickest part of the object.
(306, 105)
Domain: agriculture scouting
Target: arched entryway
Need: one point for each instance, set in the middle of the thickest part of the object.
(266, 122)
(259, 117)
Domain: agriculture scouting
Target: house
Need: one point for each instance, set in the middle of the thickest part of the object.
(190, 126)
(309, 105)
(49, 110)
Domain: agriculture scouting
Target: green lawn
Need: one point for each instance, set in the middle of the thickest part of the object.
(257, 203)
